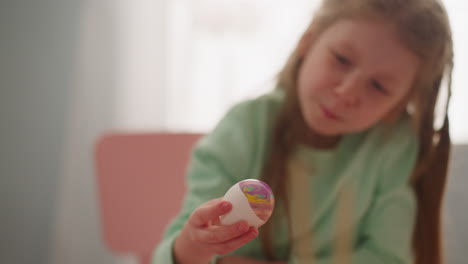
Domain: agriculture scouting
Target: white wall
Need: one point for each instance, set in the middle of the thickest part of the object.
(120, 78)
(37, 46)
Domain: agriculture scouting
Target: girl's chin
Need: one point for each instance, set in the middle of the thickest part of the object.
(317, 124)
(322, 130)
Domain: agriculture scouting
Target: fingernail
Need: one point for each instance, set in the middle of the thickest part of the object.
(242, 227)
(253, 234)
(224, 205)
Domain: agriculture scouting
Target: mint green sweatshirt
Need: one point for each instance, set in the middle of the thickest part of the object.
(373, 167)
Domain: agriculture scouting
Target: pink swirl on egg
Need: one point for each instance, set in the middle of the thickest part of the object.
(260, 197)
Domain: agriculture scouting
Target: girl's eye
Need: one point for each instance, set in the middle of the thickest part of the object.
(342, 59)
(376, 85)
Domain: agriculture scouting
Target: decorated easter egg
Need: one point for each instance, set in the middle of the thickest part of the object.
(252, 200)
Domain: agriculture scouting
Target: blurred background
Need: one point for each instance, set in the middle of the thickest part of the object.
(71, 70)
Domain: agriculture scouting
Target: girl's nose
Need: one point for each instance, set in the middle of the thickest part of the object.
(348, 90)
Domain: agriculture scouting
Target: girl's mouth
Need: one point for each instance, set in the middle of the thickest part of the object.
(329, 114)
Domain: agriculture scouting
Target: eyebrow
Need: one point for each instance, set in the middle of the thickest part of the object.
(348, 46)
(385, 78)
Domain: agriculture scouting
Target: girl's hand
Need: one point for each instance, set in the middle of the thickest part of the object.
(244, 260)
(202, 236)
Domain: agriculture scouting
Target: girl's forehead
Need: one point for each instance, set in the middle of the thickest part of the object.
(370, 42)
(363, 31)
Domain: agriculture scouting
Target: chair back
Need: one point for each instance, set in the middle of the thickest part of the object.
(140, 184)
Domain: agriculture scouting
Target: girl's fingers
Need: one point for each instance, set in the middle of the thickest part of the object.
(203, 230)
(208, 212)
(221, 234)
(216, 222)
(235, 243)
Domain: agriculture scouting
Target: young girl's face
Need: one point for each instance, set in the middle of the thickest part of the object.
(353, 75)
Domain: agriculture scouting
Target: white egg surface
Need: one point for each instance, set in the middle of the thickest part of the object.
(252, 200)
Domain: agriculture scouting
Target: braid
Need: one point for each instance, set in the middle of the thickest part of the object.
(429, 181)
(274, 173)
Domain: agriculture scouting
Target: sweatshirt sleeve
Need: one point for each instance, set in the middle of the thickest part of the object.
(386, 236)
(218, 161)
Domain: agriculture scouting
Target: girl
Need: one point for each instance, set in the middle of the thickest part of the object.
(347, 142)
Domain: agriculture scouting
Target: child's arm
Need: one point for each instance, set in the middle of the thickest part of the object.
(219, 160)
(202, 237)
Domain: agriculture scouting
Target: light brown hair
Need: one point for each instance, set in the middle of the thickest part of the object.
(423, 27)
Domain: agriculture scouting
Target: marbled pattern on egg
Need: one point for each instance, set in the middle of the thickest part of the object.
(260, 197)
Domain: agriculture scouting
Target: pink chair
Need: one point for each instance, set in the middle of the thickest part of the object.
(140, 184)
